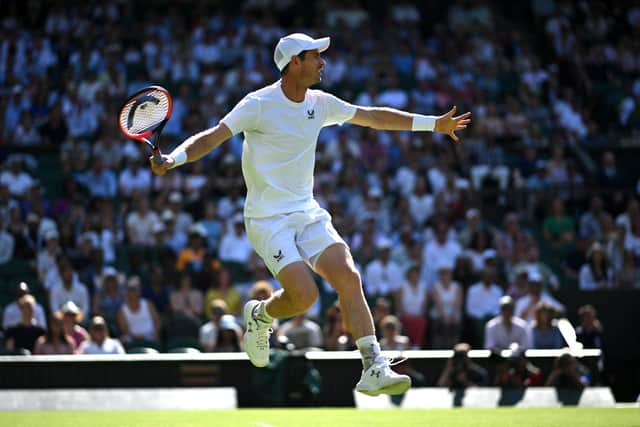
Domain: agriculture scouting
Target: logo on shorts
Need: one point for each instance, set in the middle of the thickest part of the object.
(311, 114)
(279, 255)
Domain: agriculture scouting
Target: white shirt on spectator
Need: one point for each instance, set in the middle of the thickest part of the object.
(77, 293)
(235, 248)
(17, 184)
(483, 301)
(382, 279)
(306, 335)
(109, 346)
(434, 254)
(208, 336)
(525, 301)
(420, 207)
(497, 336)
(131, 181)
(6, 246)
(589, 283)
(140, 227)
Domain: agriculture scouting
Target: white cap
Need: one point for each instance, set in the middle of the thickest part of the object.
(294, 44)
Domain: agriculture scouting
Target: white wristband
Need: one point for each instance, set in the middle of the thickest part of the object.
(421, 123)
(179, 158)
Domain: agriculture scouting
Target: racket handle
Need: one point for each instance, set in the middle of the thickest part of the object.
(157, 157)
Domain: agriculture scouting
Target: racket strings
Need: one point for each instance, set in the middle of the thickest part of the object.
(144, 112)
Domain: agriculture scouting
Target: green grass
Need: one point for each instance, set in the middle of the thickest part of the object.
(503, 417)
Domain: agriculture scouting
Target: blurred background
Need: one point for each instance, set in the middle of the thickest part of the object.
(539, 201)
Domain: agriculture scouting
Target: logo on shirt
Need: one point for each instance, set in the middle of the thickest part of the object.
(311, 114)
(279, 255)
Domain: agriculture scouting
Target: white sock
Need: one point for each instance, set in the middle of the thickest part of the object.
(260, 313)
(369, 349)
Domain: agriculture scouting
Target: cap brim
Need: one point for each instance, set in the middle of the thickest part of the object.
(321, 44)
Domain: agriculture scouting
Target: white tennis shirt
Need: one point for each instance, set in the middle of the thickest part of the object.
(279, 149)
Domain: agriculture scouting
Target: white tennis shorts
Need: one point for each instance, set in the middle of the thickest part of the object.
(299, 236)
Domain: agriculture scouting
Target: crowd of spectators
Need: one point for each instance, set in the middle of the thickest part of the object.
(454, 242)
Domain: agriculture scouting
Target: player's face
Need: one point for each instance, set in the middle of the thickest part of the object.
(312, 67)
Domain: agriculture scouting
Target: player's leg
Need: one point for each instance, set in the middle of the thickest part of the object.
(298, 293)
(336, 265)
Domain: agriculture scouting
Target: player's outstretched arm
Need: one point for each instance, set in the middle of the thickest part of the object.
(193, 148)
(384, 118)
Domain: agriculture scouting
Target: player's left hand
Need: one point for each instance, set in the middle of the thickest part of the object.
(448, 124)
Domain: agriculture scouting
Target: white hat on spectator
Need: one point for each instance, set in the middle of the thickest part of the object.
(534, 276)
(375, 192)
(444, 264)
(175, 197)
(158, 227)
(167, 215)
(51, 234)
(294, 44)
(109, 272)
(489, 254)
(383, 243)
(198, 229)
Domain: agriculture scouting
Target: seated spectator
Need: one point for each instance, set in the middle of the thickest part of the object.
(628, 277)
(185, 300)
(7, 243)
(48, 255)
(446, 313)
(544, 332)
(558, 228)
(208, 335)
(24, 335)
(234, 245)
(69, 289)
(137, 318)
(55, 340)
(525, 307)
(505, 330)
(567, 373)
(140, 223)
(336, 336)
(134, 178)
(223, 289)
(382, 276)
(12, 313)
(532, 262)
(519, 285)
(411, 306)
(391, 338)
(108, 299)
(71, 318)
(381, 309)
(596, 273)
(303, 333)
(229, 335)
(183, 220)
(438, 249)
(480, 242)
(17, 180)
(191, 259)
(590, 332)
(518, 372)
(461, 372)
(100, 342)
(158, 290)
(483, 302)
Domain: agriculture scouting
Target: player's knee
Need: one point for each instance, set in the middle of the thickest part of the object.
(346, 279)
(305, 298)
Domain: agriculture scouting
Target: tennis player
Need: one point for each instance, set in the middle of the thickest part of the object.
(285, 224)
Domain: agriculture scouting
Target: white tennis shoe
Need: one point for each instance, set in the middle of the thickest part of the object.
(256, 338)
(381, 379)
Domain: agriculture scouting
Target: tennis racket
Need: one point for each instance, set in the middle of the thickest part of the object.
(143, 116)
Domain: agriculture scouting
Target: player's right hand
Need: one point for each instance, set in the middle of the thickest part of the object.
(162, 168)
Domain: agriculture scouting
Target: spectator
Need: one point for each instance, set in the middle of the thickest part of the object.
(411, 306)
(590, 332)
(532, 263)
(446, 313)
(461, 372)
(47, 256)
(483, 302)
(17, 180)
(382, 276)
(140, 223)
(441, 248)
(596, 273)
(69, 289)
(212, 224)
(558, 228)
(302, 332)
(7, 243)
(208, 335)
(169, 235)
(24, 335)
(610, 175)
(567, 373)
(185, 300)
(336, 336)
(191, 259)
(229, 335)
(183, 220)
(525, 307)
(138, 320)
(519, 285)
(628, 277)
(544, 332)
(134, 179)
(590, 220)
(108, 299)
(55, 340)
(100, 342)
(100, 181)
(158, 290)
(391, 338)
(12, 314)
(223, 289)
(235, 246)
(505, 330)
(480, 242)
(71, 318)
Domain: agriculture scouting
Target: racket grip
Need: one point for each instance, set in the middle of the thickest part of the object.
(157, 157)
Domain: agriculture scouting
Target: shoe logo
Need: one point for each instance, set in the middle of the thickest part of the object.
(311, 114)
(375, 374)
(279, 255)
